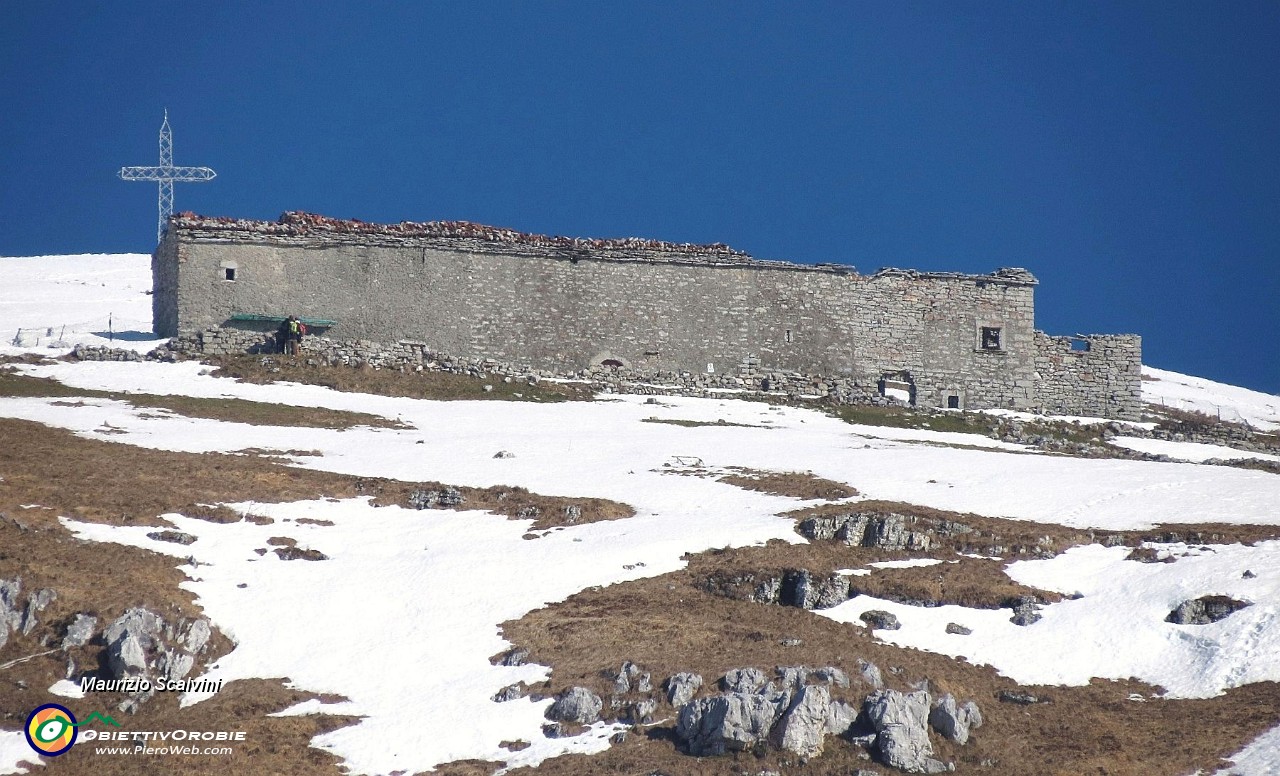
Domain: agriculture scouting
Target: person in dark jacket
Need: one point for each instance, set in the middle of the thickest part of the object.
(290, 335)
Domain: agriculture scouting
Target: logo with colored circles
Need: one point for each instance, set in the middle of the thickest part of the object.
(51, 729)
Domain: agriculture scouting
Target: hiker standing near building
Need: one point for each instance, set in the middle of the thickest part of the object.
(290, 335)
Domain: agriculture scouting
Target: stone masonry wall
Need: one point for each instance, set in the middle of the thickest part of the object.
(412, 356)
(1097, 375)
(566, 305)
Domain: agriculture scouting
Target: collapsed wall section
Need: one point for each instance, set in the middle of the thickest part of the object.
(1098, 375)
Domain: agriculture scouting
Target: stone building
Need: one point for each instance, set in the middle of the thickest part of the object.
(565, 304)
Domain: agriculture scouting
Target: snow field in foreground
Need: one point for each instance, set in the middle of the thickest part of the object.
(402, 618)
(1260, 758)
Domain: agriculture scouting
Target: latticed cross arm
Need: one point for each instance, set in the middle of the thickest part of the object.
(167, 173)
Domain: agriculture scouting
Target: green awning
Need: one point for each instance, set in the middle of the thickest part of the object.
(322, 323)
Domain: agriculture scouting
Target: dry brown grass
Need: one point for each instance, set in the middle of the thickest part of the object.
(734, 572)
(106, 482)
(391, 382)
(801, 485)
(667, 624)
(547, 512)
(279, 746)
(100, 481)
(972, 582)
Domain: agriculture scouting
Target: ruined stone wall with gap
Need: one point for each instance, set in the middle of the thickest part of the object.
(1097, 375)
(565, 307)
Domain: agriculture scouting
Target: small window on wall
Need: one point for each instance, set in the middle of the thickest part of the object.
(953, 402)
(230, 273)
(990, 338)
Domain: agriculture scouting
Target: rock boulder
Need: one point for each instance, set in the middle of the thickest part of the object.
(804, 724)
(902, 734)
(724, 723)
(682, 687)
(577, 704)
(954, 721)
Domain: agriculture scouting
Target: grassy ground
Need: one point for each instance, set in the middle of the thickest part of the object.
(902, 417)
(801, 485)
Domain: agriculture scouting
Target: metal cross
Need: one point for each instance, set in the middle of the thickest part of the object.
(166, 174)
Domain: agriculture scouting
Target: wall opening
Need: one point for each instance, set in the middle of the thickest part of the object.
(1080, 345)
(900, 387)
(788, 335)
(953, 402)
(611, 362)
(990, 338)
(229, 273)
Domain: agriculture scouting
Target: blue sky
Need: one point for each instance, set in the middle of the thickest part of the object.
(1127, 153)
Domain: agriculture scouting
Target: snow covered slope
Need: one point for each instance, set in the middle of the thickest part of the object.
(1239, 405)
(56, 302)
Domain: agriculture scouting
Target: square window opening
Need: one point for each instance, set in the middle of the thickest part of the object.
(953, 402)
(991, 339)
(230, 273)
(1080, 345)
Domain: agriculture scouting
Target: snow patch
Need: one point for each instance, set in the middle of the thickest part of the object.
(67, 689)
(1115, 627)
(1194, 452)
(906, 564)
(15, 752)
(1260, 758)
(612, 453)
(403, 616)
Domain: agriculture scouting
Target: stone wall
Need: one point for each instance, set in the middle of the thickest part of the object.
(1097, 375)
(165, 293)
(565, 305)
